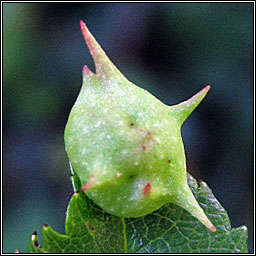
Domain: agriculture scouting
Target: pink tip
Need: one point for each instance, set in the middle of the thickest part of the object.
(213, 229)
(83, 29)
(147, 189)
(205, 89)
(82, 26)
(87, 185)
(87, 36)
(86, 70)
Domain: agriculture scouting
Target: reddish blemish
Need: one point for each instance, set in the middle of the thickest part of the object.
(87, 185)
(91, 226)
(147, 189)
(148, 133)
(143, 147)
(169, 161)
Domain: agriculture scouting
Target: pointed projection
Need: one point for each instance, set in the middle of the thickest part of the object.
(102, 63)
(184, 109)
(125, 145)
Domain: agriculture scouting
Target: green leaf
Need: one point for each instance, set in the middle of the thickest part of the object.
(170, 229)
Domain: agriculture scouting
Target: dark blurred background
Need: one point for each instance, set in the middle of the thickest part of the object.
(171, 49)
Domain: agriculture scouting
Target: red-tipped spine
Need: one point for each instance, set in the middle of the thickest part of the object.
(86, 36)
(213, 229)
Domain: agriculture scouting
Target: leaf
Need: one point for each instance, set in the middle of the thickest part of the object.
(168, 230)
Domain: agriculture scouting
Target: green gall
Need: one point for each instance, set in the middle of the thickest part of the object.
(125, 145)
